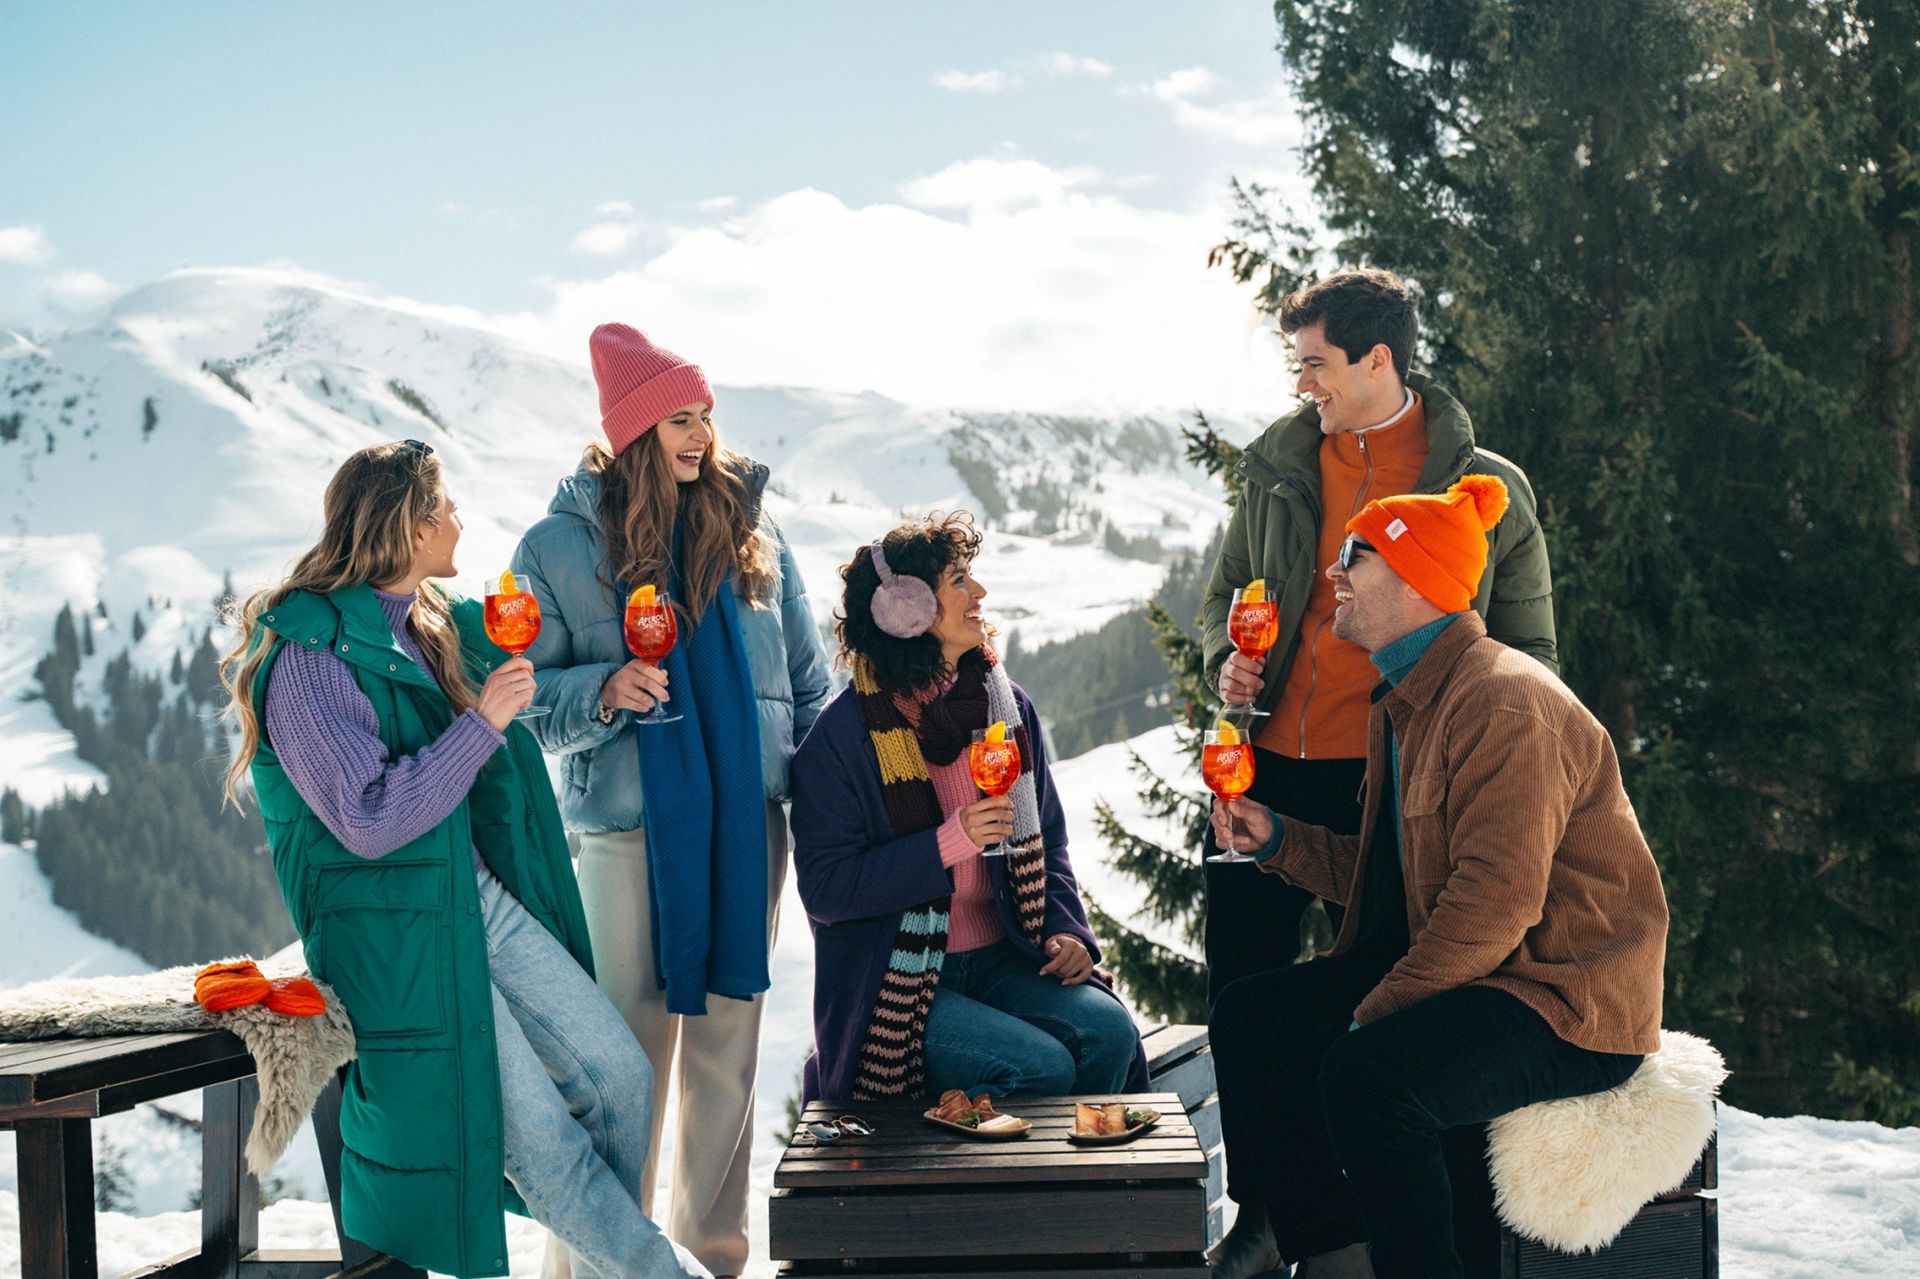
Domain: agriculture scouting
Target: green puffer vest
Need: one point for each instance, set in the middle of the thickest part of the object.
(1275, 534)
(401, 941)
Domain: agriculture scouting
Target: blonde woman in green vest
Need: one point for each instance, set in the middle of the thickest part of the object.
(421, 855)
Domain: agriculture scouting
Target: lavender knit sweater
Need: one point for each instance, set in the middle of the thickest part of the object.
(328, 738)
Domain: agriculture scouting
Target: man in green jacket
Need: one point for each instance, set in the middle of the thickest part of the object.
(1372, 429)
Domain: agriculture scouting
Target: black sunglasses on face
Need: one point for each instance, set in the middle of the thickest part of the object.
(1348, 547)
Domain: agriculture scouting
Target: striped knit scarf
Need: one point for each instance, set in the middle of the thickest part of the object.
(893, 1054)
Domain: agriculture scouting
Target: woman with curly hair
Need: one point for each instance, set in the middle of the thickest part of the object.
(936, 967)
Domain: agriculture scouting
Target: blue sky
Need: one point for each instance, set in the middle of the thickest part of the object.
(707, 169)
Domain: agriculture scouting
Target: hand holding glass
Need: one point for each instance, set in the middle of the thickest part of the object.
(513, 622)
(1227, 768)
(1253, 624)
(651, 633)
(995, 767)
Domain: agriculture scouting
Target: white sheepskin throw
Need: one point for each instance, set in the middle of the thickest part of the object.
(293, 1056)
(1572, 1173)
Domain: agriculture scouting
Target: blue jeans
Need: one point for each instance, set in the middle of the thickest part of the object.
(576, 1099)
(997, 1026)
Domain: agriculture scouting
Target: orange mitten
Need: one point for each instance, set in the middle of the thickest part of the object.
(223, 986)
(296, 997)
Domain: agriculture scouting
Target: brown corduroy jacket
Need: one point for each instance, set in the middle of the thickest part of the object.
(1524, 866)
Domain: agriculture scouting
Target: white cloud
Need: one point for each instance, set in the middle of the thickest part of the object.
(606, 238)
(994, 185)
(1003, 283)
(613, 208)
(1066, 64)
(1185, 83)
(976, 81)
(73, 291)
(25, 244)
(718, 203)
(1272, 119)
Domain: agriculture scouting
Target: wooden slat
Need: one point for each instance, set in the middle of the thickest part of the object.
(1168, 1044)
(56, 1199)
(1666, 1241)
(1169, 1267)
(306, 1263)
(924, 1170)
(963, 1222)
(20, 1057)
(120, 1097)
(104, 1064)
(1206, 1125)
(229, 1196)
(1191, 1079)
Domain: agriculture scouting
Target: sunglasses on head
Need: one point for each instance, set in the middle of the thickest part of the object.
(1349, 547)
(416, 448)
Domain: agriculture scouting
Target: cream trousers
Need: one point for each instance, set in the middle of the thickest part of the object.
(710, 1060)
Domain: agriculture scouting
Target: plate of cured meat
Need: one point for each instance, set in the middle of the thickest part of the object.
(975, 1117)
(1110, 1125)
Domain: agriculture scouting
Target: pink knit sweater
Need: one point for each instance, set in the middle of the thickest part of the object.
(973, 922)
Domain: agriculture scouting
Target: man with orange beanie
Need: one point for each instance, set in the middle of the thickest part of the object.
(1504, 930)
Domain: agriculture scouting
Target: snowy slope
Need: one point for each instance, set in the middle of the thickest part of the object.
(190, 432)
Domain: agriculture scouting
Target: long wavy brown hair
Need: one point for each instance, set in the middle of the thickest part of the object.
(639, 502)
(374, 502)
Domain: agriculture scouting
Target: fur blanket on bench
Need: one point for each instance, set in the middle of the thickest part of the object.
(294, 1057)
(1571, 1174)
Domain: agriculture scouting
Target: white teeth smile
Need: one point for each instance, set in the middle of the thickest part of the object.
(691, 459)
(1342, 597)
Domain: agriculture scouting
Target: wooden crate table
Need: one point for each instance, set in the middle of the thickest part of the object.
(916, 1200)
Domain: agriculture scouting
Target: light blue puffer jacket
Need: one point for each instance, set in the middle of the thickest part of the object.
(581, 644)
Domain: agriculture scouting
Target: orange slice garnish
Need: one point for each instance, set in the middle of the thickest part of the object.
(1227, 733)
(998, 733)
(1254, 592)
(642, 597)
(507, 585)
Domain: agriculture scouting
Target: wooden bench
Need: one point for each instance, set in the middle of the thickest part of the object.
(915, 1200)
(51, 1091)
(1676, 1236)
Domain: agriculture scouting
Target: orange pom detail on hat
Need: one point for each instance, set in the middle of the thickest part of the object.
(1437, 543)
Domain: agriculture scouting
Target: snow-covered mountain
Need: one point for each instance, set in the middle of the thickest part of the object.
(189, 432)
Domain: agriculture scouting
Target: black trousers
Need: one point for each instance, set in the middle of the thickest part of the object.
(1338, 1132)
(1253, 918)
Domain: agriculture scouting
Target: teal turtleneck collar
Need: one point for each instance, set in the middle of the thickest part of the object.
(1399, 658)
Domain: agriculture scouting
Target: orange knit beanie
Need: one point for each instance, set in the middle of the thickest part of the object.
(1438, 545)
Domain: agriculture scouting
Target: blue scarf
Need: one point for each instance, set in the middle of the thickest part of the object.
(705, 812)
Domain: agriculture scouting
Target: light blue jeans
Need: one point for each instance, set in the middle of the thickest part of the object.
(997, 1026)
(576, 1098)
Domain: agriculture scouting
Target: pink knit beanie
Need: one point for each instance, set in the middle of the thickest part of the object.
(640, 383)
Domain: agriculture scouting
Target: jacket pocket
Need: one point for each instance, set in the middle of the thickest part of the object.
(1423, 829)
(382, 947)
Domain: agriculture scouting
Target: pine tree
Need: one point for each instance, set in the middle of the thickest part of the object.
(1667, 252)
(14, 827)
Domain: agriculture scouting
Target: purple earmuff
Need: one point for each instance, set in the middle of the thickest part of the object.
(903, 606)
